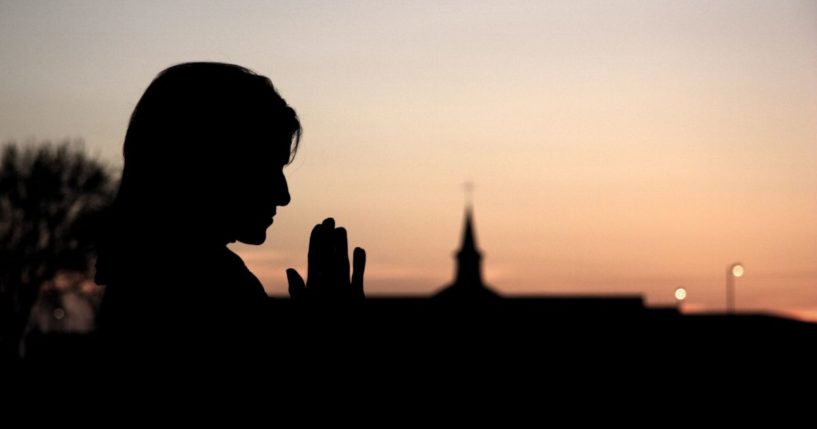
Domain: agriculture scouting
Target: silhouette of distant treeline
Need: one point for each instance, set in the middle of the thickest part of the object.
(51, 200)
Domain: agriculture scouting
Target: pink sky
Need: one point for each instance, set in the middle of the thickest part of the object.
(616, 147)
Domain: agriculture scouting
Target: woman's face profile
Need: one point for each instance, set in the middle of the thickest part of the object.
(260, 187)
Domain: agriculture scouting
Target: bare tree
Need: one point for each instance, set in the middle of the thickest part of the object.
(51, 201)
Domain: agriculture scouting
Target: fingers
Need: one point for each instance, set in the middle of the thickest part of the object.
(359, 262)
(321, 250)
(297, 287)
(313, 262)
(329, 223)
(326, 252)
(328, 272)
(341, 258)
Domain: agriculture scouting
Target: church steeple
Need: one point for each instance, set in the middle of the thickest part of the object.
(468, 283)
(469, 258)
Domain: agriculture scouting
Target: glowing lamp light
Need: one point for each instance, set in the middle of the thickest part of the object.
(737, 271)
(733, 272)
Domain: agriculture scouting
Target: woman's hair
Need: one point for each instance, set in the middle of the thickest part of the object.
(200, 120)
(196, 130)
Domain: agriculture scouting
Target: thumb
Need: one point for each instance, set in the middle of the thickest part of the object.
(297, 287)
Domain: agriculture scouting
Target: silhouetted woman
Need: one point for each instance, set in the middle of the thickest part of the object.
(204, 156)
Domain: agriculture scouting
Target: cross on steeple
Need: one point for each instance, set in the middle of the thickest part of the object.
(468, 187)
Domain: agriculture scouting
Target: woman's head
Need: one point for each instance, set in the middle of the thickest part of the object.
(204, 153)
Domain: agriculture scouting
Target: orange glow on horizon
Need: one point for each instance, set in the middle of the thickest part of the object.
(619, 148)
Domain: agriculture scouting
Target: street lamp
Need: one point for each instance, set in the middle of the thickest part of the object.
(733, 271)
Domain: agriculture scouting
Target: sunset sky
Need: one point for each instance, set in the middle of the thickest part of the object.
(616, 146)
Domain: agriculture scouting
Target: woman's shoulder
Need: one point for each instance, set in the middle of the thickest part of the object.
(192, 274)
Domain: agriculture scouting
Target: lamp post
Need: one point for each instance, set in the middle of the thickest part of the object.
(680, 296)
(733, 271)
